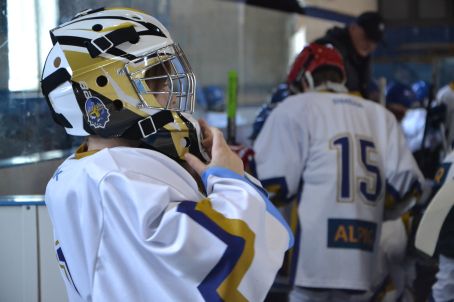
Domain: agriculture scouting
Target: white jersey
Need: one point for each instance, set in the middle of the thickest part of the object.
(131, 225)
(341, 154)
(443, 288)
(446, 95)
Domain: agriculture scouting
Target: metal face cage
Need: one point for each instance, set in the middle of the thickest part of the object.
(163, 79)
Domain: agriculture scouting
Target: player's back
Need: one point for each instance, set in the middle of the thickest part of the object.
(105, 207)
(335, 145)
(344, 131)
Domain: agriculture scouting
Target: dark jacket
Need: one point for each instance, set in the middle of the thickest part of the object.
(358, 68)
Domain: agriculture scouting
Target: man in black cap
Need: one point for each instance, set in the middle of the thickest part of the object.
(356, 42)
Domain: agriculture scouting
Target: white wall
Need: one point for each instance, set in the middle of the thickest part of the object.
(18, 254)
(52, 288)
(28, 267)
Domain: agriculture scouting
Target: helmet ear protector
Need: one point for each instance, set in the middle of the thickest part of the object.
(118, 73)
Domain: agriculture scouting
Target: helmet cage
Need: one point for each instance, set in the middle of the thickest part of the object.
(163, 79)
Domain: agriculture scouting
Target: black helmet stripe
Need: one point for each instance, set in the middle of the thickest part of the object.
(54, 80)
(83, 42)
(73, 41)
(152, 29)
(48, 84)
(114, 38)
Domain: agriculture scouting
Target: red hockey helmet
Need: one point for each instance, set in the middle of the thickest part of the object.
(312, 57)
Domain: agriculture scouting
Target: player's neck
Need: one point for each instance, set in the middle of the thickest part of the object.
(97, 143)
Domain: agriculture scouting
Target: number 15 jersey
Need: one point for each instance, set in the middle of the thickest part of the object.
(343, 157)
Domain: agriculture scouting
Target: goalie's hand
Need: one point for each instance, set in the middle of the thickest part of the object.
(220, 152)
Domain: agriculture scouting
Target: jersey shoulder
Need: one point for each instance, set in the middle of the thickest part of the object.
(126, 160)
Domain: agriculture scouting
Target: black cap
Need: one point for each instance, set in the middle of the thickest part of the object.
(373, 25)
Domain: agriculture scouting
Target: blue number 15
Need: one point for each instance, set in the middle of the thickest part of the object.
(370, 186)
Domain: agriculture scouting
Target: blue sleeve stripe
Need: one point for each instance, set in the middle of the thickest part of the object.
(393, 192)
(64, 266)
(415, 186)
(226, 173)
(281, 183)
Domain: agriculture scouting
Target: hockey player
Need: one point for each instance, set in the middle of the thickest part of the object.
(400, 98)
(130, 221)
(443, 289)
(280, 93)
(341, 155)
(446, 96)
(437, 223)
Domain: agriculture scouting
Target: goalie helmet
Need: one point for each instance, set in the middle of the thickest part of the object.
(118, 73)
(313, 57)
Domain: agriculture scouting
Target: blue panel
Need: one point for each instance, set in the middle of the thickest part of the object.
(396, 37)
(351, 234)
(22, 200)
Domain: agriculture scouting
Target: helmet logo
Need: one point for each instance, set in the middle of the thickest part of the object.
(97, 113)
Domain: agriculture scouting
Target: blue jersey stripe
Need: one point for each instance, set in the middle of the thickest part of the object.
(222, 270)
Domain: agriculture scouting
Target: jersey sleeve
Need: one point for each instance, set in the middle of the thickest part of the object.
(443, 288)
(445, 173)
(404, 180)
(280, 152)
(230, 244)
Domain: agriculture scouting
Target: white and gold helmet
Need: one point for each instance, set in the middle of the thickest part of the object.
(117, 73)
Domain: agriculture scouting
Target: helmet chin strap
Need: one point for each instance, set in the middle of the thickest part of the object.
(309, 80)
(326, 86)
(161, 139)
(148, 126)
(196, 139)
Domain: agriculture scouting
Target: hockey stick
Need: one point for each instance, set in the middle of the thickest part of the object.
(231, 107)
(433, 219)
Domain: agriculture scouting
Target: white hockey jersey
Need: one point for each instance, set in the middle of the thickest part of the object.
(446, 96)
(339, 154)
(443, 288)
(131, 225)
